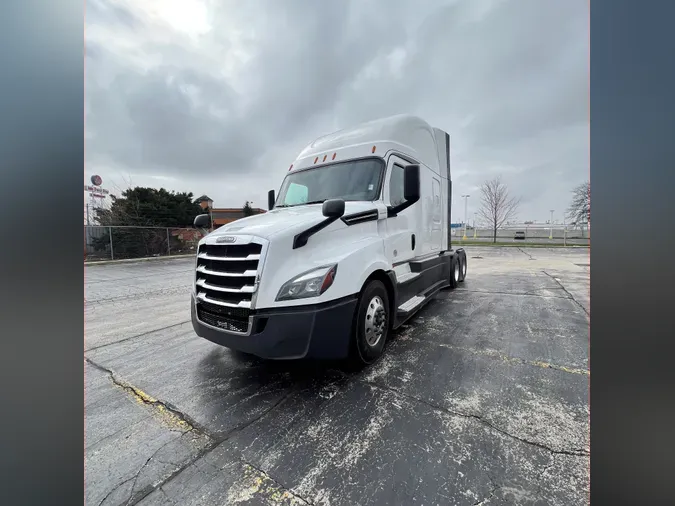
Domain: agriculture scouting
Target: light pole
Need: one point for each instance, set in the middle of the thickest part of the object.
(474, 226)
(466, 202)
(550, 235)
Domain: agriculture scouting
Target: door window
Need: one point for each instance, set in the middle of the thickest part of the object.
(396, 195)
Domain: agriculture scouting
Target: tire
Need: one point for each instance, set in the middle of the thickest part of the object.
(462, 269)
(454, 272)
(371, 325)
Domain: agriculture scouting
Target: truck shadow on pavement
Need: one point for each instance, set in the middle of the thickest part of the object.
(245, 370)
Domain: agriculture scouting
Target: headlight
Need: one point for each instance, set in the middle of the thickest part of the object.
(310, 284)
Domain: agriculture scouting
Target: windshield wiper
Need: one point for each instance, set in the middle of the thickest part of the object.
(315, 202)
(303, 203)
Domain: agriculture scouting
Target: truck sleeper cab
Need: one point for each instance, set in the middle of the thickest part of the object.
(354, 245)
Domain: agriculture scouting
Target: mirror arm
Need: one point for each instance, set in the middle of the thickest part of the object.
(301, 239)
(392, 211)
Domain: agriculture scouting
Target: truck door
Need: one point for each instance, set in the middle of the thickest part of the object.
(402, 242)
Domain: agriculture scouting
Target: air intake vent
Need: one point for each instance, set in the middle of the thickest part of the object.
(353, 219)
(226, 275)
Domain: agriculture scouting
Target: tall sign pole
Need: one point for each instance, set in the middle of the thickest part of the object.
(550, 235)
(95, 193)
(466, 201)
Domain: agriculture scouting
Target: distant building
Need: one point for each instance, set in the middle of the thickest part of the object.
(223, 216)
(205, 202)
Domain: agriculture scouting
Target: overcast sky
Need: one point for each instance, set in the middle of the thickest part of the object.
(219, 96)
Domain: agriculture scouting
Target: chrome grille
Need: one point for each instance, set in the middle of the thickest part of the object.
(226, 275)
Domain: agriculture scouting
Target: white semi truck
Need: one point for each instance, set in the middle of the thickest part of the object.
(355, 243)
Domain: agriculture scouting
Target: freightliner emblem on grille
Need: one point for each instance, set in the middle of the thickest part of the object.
(226, 238)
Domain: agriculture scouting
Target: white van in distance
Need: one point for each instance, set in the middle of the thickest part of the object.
(355, 243)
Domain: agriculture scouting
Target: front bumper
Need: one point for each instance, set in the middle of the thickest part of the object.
(317, 331)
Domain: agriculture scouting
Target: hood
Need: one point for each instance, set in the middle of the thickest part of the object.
(272, 222)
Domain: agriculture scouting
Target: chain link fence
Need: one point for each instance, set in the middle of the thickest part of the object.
(558, 233)
(123, 242)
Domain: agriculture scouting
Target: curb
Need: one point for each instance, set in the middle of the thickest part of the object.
(132, 260)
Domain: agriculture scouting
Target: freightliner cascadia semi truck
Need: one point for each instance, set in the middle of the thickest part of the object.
(354, 244)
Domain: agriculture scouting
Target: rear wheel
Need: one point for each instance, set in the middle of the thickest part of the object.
(371, 324)
(454, 272)
(462, 270)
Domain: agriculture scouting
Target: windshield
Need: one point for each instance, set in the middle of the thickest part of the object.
(357, 180)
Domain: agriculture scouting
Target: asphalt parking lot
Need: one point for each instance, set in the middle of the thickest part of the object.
(481, 399)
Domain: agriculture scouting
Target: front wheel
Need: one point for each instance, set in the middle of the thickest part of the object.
(371, 324)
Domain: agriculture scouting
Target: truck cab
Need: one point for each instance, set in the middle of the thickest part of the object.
(355, 242)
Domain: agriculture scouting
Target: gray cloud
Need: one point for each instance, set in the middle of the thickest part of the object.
(105, 12)
(225, 111)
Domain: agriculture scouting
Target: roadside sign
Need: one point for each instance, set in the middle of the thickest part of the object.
(95, 189)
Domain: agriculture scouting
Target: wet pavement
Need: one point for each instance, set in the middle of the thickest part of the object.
(481, 399)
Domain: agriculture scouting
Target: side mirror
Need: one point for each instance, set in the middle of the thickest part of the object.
(333, 208)
(270, 200)
(411, 183)
(202, 221)
(411, 190)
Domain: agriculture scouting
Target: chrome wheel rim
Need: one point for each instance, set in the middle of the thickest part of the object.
(464, 270)
(375, 321)
(456, 272)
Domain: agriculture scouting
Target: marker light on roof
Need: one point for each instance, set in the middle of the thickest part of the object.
(316, 159)
(324, 158)
(333, 156)
(373, 149)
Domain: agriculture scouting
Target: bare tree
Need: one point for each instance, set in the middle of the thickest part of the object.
(579, 211)
(496, 205)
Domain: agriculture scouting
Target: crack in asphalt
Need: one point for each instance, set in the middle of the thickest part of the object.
(116, 487)
(94, 348)
(140, 470)
(184, 420)
(147, 491)
(248, 423)
(215, 442)
(161, 491)
(540, 475)
(495, 487)
(277, 483)
(568, 293)
(525, 253)
(484, 421)
(192, 427)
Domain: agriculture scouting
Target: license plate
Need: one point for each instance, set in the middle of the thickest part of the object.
(225, 325)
